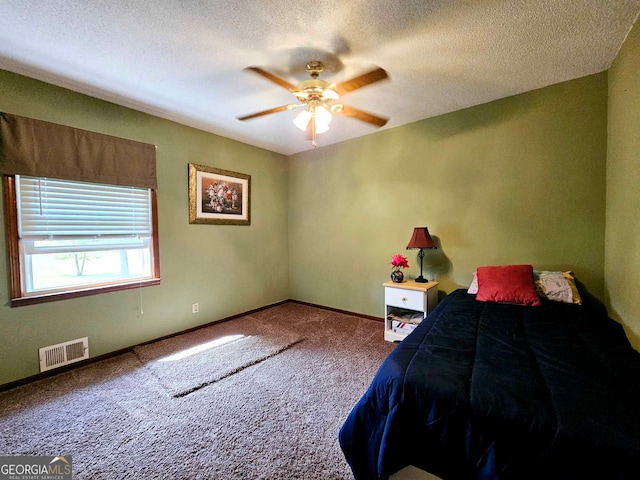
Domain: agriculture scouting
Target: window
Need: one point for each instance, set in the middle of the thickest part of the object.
(80, 210)
(69, 238)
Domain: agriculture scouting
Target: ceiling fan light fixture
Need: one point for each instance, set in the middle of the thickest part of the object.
(322, 119)
(321, 128)
(320, 115)
(302, 120)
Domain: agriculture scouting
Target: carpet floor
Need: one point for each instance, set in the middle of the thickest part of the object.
(276, 418)
(194, 360)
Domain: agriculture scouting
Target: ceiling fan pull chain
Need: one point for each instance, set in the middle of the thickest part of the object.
(313, 130)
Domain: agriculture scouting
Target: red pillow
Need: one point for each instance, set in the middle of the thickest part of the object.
(507, 284)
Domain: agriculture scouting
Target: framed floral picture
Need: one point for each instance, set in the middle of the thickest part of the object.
(219, 196)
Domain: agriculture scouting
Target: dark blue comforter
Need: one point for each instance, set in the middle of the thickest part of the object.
(493, 391)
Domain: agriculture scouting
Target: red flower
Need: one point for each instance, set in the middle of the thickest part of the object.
(398, 261)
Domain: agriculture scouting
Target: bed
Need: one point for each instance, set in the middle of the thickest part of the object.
(490, 390)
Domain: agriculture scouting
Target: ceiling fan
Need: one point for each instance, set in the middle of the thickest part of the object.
(322, 99)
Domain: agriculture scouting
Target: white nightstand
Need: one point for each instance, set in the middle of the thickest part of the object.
(405, 298)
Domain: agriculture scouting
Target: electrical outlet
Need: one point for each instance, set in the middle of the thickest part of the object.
(195, 308)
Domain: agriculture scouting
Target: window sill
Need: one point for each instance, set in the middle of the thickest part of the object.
(52, 297)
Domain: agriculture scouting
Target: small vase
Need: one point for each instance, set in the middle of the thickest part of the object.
(397, 276)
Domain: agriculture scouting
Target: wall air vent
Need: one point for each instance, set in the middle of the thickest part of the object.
(55, 356)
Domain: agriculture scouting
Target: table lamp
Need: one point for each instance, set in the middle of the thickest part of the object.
(421, 239)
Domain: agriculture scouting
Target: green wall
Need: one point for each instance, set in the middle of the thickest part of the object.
(226, 269)
(622, 253)
(519, 180)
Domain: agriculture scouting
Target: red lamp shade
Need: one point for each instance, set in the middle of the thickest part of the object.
(421, 239)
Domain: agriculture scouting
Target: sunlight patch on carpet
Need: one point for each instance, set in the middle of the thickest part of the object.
(189, 362)
(203, 347)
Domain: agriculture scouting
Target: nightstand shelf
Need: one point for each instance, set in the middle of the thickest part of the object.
(404, 300)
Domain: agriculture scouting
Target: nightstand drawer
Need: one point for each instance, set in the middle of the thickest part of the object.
(404, 298)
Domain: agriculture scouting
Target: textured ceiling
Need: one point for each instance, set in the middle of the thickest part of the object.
(183, 60)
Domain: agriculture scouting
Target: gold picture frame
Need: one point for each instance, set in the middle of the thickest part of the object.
(219, 196)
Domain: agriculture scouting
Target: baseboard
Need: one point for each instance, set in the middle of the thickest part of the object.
(346, 312)
(226, 319)
(52, 373)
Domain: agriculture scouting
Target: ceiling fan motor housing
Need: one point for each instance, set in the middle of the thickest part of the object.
(316, 89)
(315, 68)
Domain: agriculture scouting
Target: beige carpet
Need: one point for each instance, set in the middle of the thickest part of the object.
(277, 419)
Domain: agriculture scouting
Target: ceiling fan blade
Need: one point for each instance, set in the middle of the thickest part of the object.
(273, 78)
(363, 116)
(361, 81)
(270, 111)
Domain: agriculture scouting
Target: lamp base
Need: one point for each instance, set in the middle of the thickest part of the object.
(421, 279)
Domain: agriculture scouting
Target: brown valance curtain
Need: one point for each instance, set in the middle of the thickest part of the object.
(43, 149)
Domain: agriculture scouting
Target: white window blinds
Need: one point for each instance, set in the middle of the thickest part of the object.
(51, 208)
